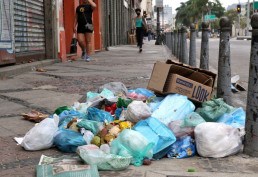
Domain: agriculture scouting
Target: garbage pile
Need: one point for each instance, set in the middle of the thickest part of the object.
(117, 127)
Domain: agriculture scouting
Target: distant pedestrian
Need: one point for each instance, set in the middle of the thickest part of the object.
(140, 25)
(149, 34)
(83, 27)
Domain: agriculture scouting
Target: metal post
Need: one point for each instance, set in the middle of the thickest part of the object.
(224, 69)
(184, 54)
(158, 40)
(179, 44)
(172, 42)
(248, 18)
(251, 127)
(204, 57)
(176, 42)
(192, 50)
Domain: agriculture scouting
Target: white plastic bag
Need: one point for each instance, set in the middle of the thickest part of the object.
(217, 139)
(42, 135)
(173, 107)
(137, 110)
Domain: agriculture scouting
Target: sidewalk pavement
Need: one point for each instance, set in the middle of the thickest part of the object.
(65, 83)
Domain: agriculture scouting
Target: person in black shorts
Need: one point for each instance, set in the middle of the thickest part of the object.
(83, 27)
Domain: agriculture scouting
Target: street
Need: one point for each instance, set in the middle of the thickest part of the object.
(65, 83)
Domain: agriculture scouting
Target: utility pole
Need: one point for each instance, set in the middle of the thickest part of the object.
(158, 39)
(248, 18)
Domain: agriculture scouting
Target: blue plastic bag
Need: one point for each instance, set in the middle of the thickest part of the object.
(156, 132)
(66, 116)
(182, 148)
(173, 107)
(154, 104)
(235, 119)
(143, 91)
(98, 115)
(68, 140)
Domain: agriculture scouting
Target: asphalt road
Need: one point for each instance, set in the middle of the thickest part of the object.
(240, 56)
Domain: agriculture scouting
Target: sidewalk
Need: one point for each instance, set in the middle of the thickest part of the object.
(65, 83)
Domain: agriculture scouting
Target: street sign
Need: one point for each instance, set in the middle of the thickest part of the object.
(255, 5)
(210, 17)
(159, 3)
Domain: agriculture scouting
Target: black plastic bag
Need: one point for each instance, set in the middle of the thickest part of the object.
(73, 47)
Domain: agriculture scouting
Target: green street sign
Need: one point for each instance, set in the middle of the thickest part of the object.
(255, 5)
(210, 17)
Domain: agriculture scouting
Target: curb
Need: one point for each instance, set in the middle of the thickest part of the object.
(7, 72)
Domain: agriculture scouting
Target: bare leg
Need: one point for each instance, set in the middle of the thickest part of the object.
(88, 43)
(81, 41)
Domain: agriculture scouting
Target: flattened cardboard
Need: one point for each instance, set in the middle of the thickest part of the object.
(172, 77)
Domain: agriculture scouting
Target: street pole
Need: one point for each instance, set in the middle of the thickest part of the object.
(204, 57)
(238, 24)
(251, 127)
(224, 70)
(184, 58)
(158, 40)
(192, 50)
(248, 18)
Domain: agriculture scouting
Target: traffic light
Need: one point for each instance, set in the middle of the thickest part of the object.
(239, 8)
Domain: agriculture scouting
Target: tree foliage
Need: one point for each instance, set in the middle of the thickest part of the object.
(193, 11)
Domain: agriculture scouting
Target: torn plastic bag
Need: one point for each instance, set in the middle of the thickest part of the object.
(68, 140)
(105, 94)
(184, 147)
(179, 131)
(130, 143)
(235, 119)
(192, 120)
(93, 126)
(91, 154)
(98, 115)
(213, 109)
(118, 88)
(156, 132)
(140, 94)
(173, 107)
(67, 116)
(217, 140)
(41, 136)
(137, 110)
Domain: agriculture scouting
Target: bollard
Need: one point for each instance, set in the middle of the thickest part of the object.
(172, 42)
(204, 57)
(184, 53)
(176, 43)
(179, 44)
(192, 50)
(224, 70)
(251, 127)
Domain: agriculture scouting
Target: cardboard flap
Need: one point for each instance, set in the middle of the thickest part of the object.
(158, 76)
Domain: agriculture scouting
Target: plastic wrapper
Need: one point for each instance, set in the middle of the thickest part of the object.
(91, 125)
(184, 147)
(156, 132)
(235, 119)
(98, 115)
(140, 94)
(173, 107)
(118, 88)
(131, 143)
(212, 110)
(192, 120)
(136, 111)
(92, 155)
(179, 131)
(68, 140)
(217, 140)
(41, 136)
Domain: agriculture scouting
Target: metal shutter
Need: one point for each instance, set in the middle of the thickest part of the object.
(29, 26)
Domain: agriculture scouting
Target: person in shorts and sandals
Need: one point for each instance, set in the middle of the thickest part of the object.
(84, 27)
(140, 25)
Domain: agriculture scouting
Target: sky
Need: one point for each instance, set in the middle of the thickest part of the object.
(176, 3)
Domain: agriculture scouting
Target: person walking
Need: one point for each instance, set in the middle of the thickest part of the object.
(83, 27)
(140, 25)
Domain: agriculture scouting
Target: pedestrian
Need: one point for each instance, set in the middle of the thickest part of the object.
(83, 27)
(149, 34)
(140, 25)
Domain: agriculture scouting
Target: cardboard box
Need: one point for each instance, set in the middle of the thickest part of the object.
(172, 77)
